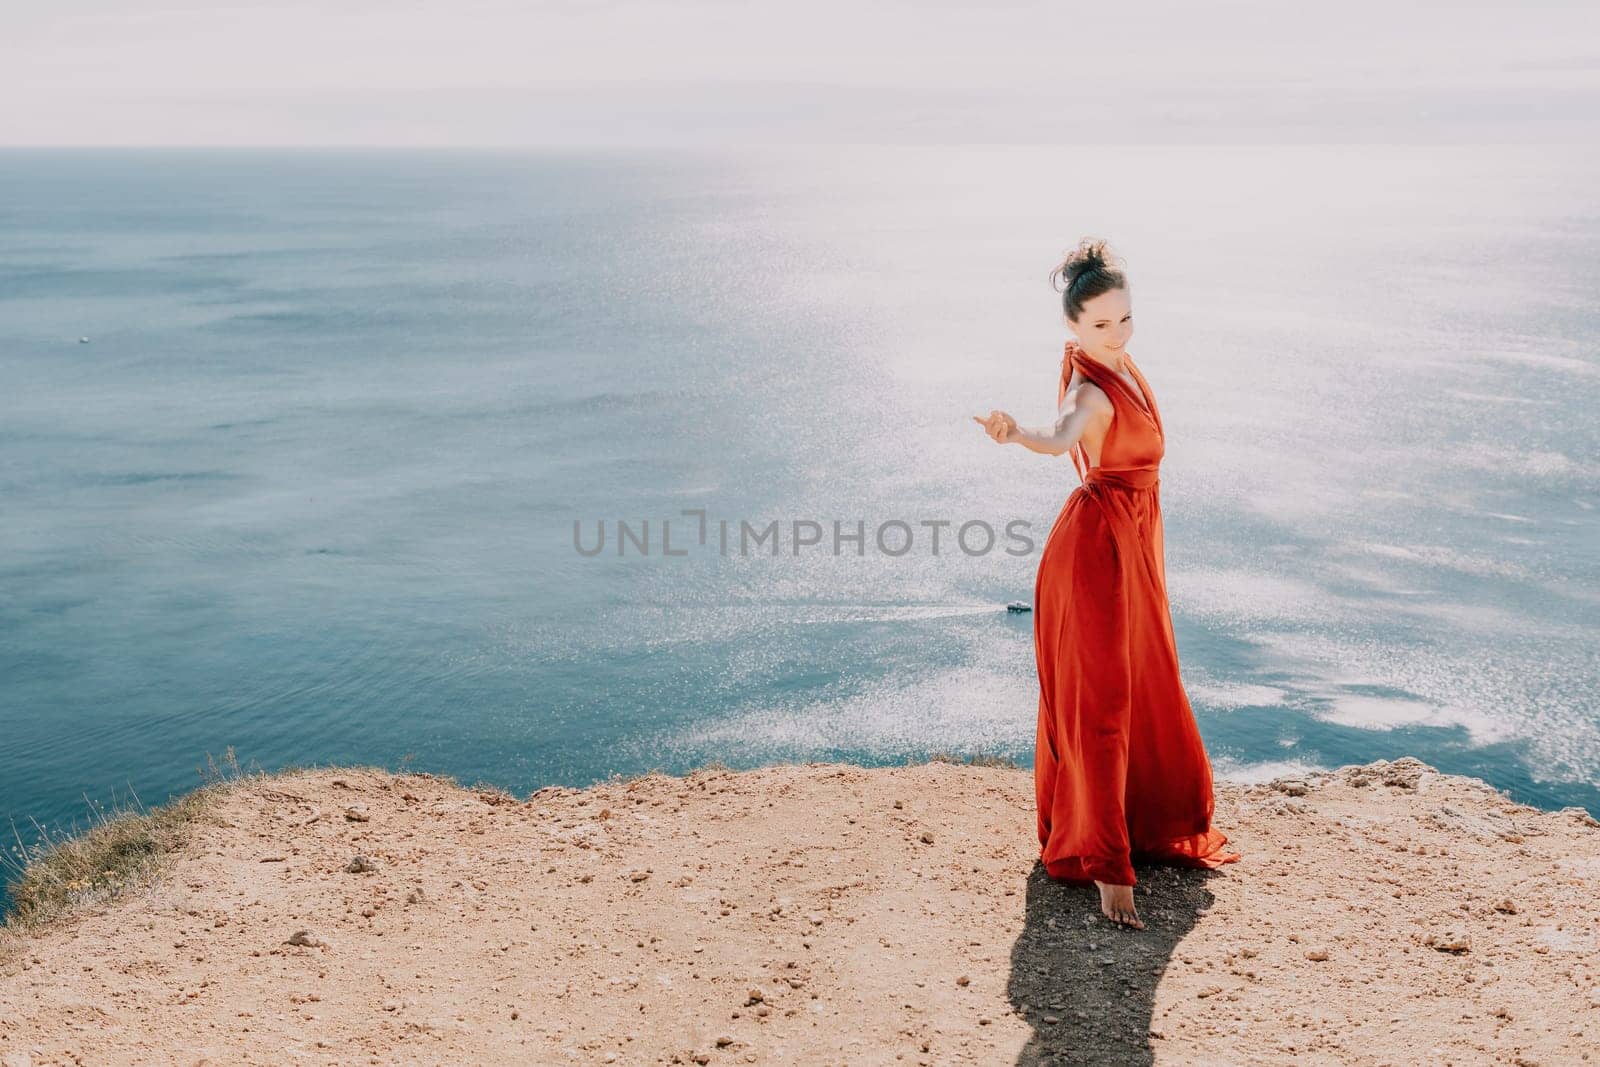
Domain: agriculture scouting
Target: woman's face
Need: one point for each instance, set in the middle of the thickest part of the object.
(1105, 325)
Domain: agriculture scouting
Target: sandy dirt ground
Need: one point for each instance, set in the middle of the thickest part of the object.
(824, 914)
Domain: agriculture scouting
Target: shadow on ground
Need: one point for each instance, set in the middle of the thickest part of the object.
(1086, 985)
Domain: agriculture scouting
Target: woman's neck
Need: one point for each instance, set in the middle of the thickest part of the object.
(1120, 367)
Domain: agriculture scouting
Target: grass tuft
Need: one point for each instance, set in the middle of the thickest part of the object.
(121, 850)
(124, 849)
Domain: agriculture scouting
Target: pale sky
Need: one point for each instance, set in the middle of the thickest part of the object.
(504, 73)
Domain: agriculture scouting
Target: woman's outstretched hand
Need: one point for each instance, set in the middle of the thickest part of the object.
(999, 426)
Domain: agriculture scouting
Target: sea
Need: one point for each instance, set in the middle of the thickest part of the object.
(547, 466)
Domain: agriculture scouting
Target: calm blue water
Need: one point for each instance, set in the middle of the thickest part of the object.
(309, 490)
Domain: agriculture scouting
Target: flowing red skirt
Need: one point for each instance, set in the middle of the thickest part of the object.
(1120, 770)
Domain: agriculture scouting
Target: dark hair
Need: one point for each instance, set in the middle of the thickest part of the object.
(1087, 273)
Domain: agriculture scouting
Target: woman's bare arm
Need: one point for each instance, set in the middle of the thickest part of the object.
(1083, 406)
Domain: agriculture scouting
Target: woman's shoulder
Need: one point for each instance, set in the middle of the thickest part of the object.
(1079, 386)
(1085, 391)
(1071, 354)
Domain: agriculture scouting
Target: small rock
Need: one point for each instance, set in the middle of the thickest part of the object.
(305, 938)
(723, 1040)
(1295, 787)
(359, 864)
(962, 980)
(1318, 954)
(357, 813)
(1404, 772)
(1507, 905)
(1448, 941)
(1582, 815)
(927, 837)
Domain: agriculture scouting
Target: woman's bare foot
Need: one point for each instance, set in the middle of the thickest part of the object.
(1116, 903)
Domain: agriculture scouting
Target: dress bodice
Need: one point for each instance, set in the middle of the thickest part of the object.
(1131, 453)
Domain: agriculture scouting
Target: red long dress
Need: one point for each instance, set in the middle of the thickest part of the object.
(1119, 768)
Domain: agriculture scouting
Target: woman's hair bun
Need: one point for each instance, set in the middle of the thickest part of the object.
(1084, 273)
(1092, 254)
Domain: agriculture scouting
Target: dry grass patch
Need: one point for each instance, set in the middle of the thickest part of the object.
(124, 849)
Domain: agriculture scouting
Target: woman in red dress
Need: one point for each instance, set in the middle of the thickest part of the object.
(1119, 768)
